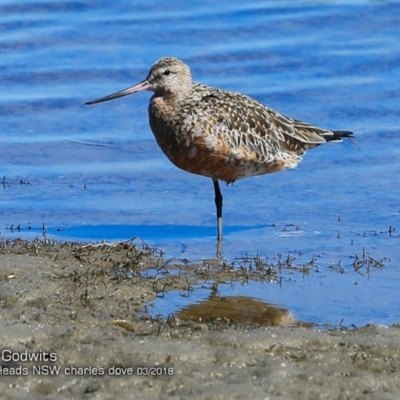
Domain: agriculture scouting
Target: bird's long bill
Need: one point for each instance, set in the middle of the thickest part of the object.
(144, 85)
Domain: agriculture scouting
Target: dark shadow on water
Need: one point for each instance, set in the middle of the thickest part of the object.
(150, 232)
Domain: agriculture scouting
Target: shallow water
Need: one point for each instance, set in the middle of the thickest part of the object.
(96, 173)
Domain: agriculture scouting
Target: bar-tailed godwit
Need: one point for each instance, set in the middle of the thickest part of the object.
(218, 133)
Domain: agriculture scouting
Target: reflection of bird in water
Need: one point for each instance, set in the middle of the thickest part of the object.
(220, 134)
(238, 309)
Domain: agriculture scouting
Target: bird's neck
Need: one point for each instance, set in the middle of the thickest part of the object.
(173, 97)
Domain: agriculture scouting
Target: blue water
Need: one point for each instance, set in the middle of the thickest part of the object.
(96, 173)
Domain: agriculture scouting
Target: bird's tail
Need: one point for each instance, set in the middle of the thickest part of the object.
(338, 135)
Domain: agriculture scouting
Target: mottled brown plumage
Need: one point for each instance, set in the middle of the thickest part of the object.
(220, 134)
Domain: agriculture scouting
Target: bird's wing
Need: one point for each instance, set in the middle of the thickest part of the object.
(246, 121)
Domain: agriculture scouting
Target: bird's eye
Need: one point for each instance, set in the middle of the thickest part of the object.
(166, 72)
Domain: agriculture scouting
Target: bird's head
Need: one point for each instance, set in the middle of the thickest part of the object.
(167, 76)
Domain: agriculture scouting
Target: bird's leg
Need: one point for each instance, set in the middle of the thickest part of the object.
(218, 204)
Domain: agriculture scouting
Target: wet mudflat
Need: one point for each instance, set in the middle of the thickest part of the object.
(81, 310)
